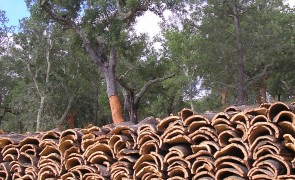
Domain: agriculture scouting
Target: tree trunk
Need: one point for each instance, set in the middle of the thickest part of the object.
(39, 115)
(223, 98)
(258, 96)
(116, 108)
(191, 96)
(279, 96)
(263, 91)
(70, 119)
(21, 127)
(132, 106)
(241, 98)
(94, 121)
(108, 70)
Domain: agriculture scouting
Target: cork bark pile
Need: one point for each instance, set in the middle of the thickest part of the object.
(238, 143)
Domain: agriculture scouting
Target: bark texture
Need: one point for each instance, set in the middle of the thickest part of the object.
(116, 109)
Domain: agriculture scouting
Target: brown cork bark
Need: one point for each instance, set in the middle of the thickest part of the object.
(116, 109)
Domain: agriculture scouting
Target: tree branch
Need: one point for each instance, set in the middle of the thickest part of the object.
(34, 78)
(48, 61)
(124, 85)
(125, 74)
(139, 95)
(259, 76)
(113, 58)
(126, 17)
(91, 51)
(63, 20)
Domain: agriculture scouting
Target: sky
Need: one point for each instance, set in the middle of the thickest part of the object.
(14, 10)
(148, 23)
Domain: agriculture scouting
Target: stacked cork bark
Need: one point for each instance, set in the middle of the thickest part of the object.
(239, 143)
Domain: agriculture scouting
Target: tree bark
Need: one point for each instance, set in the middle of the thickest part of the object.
(223, 98)
(132, 106)
(109, 74)
(191, 96)
(42, 94)
(108, 70)
(95, 107)
(70, 119)
(258, 96)
(263, 91)
(241, 94)
(279, 96)
(39, 115)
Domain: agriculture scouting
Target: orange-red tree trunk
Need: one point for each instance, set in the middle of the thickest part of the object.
(70, 119)
(223, 98)
(258, 97)
(116, 109)
(263, 91)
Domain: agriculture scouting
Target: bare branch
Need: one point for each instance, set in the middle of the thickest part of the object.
(113, 58)
(132, 13)
(257, 77)
(139, 95)
(45, 6)
(125, 74)
(124, 85)
(91, 51)
(34, 78)
(48, 61)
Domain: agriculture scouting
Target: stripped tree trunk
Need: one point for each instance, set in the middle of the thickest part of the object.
(70, 119)
(258, 96)
(241, 98)
(223, 98)
(263, 91)
(109, 74)
(108, 70)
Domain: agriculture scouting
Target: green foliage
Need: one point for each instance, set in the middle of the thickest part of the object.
(5, 32)
(267, 38)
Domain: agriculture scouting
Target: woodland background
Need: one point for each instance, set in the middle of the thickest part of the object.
(69, 57)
